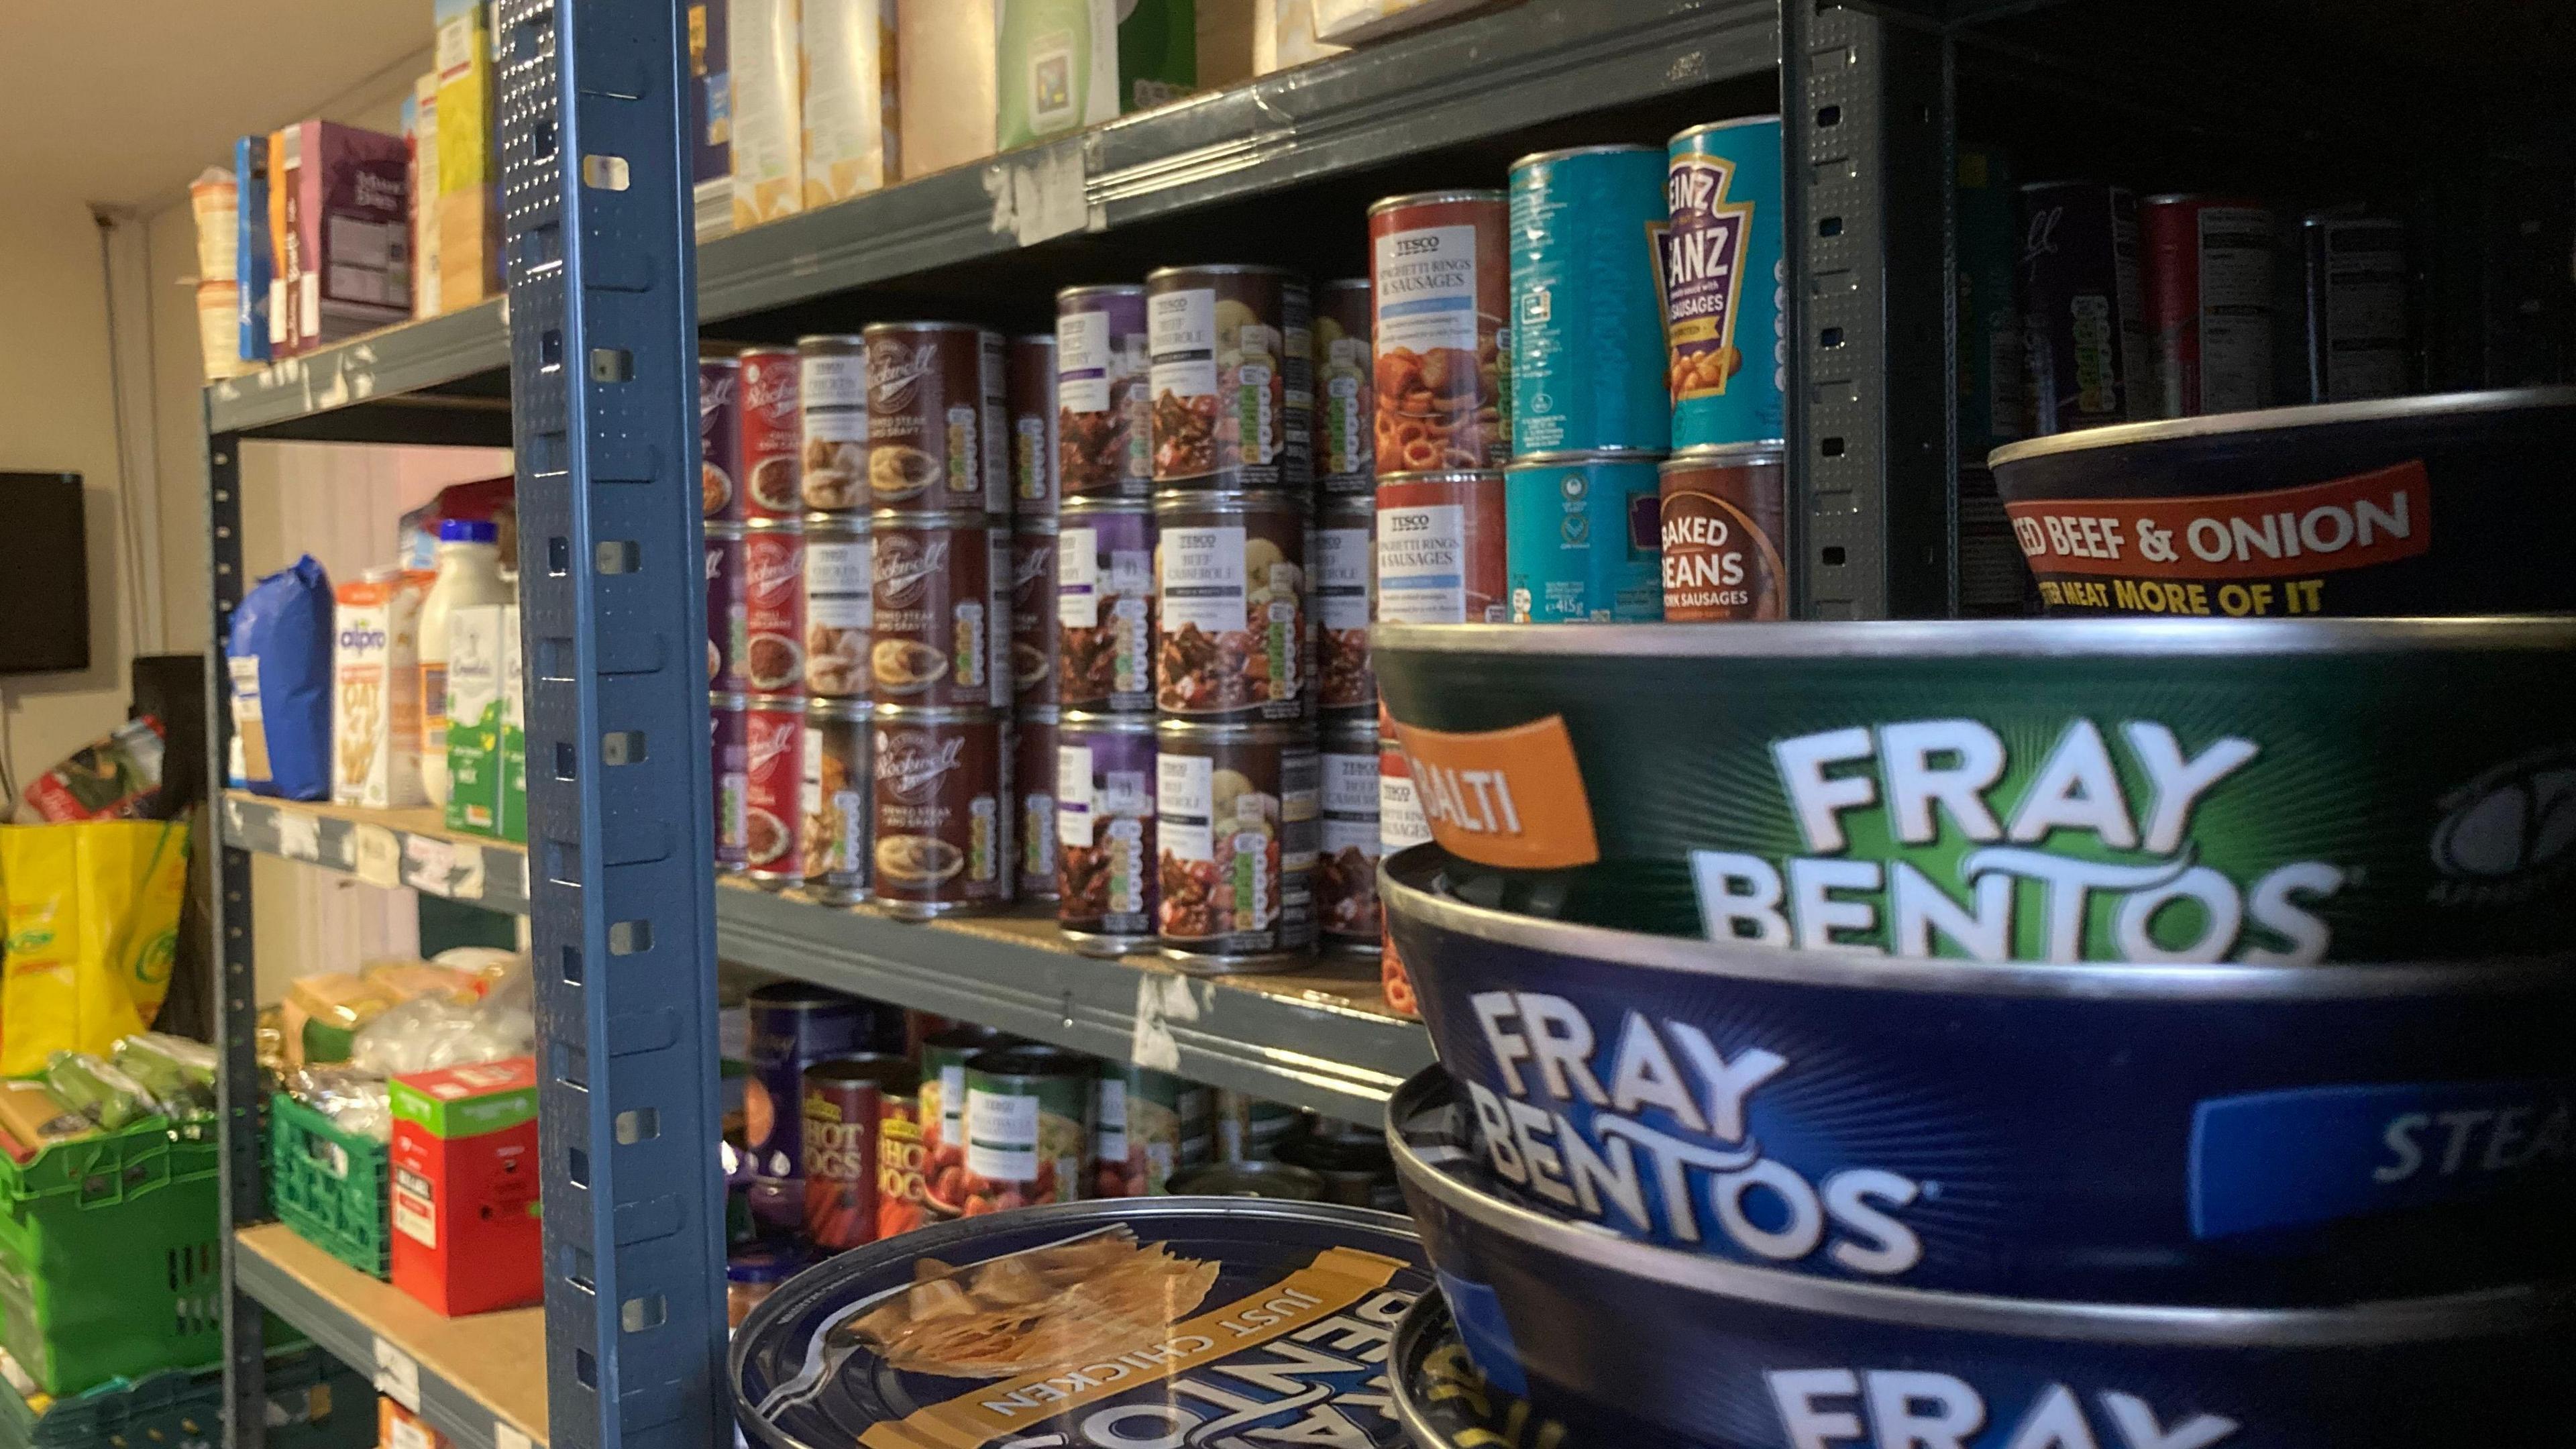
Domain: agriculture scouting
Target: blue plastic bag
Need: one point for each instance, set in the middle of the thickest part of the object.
(279, 658)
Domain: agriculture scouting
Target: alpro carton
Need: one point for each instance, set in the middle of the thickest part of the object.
(375, 691)
(474, 709)
(466, 1230)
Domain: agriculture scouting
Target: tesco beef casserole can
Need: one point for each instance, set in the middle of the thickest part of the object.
(1441, 555)
(1235, 827)
(1440, 289)
(1726, 284)
(1587, 302)
(1230, 619)
(720, 436)
(1104, 814)
(772, 434)
(1345, 442)
(1105, 605)
(1630, 1344)
(1345, 558)
(1232, 384)
(942, 826)
(1346, 905)
(1104, 423)
(1582, 539)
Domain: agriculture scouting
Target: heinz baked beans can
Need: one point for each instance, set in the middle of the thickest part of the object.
(1345, 441)
(1725, 552)
(832, 393)
(720, 436)
(1236, 828)
(1104, 403)
(1346, 867)
(836, 802)
(1034, 736)
(773, 766)
(2084, 328)
(1028, 386)
(1400, 826)
(2208, 266)
(1104, 820)
(1105, 605)
(773, 597)
(1035, 550)
(728, 625)
(942, 810)
(1230, 628)
(844, 1109)
(727, 755)
(1441, 556)
(902, 1162)
(1588, 355)
(840, 605)
(942, 609)
(1583, 540)
(1440, 280)
(1232, 390)
(1726, 284)
(772, 433)
(935, 416)
(1345, 601)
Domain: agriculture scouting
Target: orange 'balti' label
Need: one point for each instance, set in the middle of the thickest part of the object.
(1510, 797)
(2346, 523)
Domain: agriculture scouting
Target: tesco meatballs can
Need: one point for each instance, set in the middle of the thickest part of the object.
(1028, 1127)
(1104, 601)
(943, 613)
(1230, 632)
(1236, 828)
(1232, 391)
(942, 827)
(1440, 278)
(1104, 820)
(1724, 283)
(1441, 556)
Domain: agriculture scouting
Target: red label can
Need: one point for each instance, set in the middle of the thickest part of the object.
(773, 767)
(720, 436)
(1440, 282)
(773, 429)
(727, 753)
(942, 817)
(2209, 302)
(901, 1157)
(728, 626)
(1033, 609)
(1722, 517)
(773, 600)
(1440, 552)
(942, 587)
(1400, 826)
(844, 1107)
(935, 418)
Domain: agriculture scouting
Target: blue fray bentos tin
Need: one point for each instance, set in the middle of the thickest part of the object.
(1111, 1325)
(1627, 1344)
(2249, 1136)
(1726, 288)
(1587, 302)
(1583, 539)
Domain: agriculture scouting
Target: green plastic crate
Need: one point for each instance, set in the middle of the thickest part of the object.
(110, 1256)
(314, 1402)
(330, 1186)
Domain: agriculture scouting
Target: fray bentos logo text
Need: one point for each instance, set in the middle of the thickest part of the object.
(1913, 844)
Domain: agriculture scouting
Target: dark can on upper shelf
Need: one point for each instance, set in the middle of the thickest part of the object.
(935, 418)
(1235, 833)
(2084, 322)
(1033, 763)
(2357, 307)
(720, 436)
(836, 802)
(942, 824)
(840, 607)
(1345, 446)
(1034, 677)
(772, 433)
(1029, 386)
(1440, 279)
(773, 599)
(1232, 392)
(726, 756)
(1725, 551)
(1230, 625)
(728, 627)
(942, 609)
(1105, 605)
(1104, 814)
(832, 388)
(1345, 565)
(773, 765)
(1104, 402)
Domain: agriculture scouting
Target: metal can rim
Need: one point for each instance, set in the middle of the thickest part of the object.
(1707, 455)
(1342, 284)
(724, 359)
(2211, 198)
(1707, 127)
(837, 707)
(1061, 1062)
(1101, 289)
(822, 340)
(1224, 269)
(1576, 458)
(1436, 198)
(1040, 523)
(1351, 730)
(786, 523)
(1103, 503)
(937, 713)
(1441, 475)
(1540, 158)
(889, 328)
(791, 702)
(721, 528)
(1042, 713)
(764, 350)
(1235, 732)
(836, 520)
(944, 518)
(1105, 722)
(1248, 500)
(2428, 407)
(728, 699)
(1017, 338)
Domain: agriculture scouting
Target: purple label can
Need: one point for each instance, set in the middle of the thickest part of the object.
(793, 1026)
(2084, 315)
(1104, 422)
(1104, 824)
(729, 755)
(728, 625)
(1104, 597)
(720, 436)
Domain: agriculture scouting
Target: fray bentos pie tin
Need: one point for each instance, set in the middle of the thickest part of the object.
(1109, 1325)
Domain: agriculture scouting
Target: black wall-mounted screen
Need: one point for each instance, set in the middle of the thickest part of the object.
(44, 584)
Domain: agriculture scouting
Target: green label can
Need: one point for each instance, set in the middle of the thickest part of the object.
(1582, 540)
(1028, 1128)
(1147, 1125)
(1587, 304)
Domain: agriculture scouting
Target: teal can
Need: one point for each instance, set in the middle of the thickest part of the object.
(1991, 380)
(1587, 305)
(1726, 286)
(1584, 539)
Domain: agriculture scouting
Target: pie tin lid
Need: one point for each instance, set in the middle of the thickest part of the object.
(1035, 1351)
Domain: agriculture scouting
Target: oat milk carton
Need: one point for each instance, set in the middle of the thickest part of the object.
(375, 691)
(474, 710)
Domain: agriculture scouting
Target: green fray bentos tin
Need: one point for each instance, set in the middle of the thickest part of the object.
(2165, 791)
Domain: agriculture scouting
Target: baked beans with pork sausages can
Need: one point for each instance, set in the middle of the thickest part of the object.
(720, 436)
(943, 611)
(942, 810)
(840, 605)
(1235, 829)
(844, 1109)
(1346, 866)
(1104, 597)
(1345, 446)
(1104, 823)
(832, 389)
(727, 757)
(1345, 555)
(1232, 395)
(728, 626)
(1440, 279)
(1441, 557)
(1230, 629)
(1400, 826)
(773, 771)
(1581, 535)
(1034, 562)
(836, 802)
(935, 414)
(1725, 554)
(1104, 401)
(1034, 733)
(1588, 353)
(772, 433)
(1028, 386)
(1725, 286)
(773, 600)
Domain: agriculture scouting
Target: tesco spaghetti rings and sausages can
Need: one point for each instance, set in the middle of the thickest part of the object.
(836, 803)
(728, 628)
(1726, 284)
(844, 1107)
(1230, 626)
(773, 766)
(832, 391)
(840, 605)
(1034, 733)
(1235, 829)
(1035, 557)
(935, 418)
(1346, 866)
(942, 825)
(1725, 553)
(720, 436)
(1582, 539)
(1105, 605)
(1345, 604)
(1104, 404)
(1104, 817)
(773, 599)
(1028, 1128)
(1232, 390)
(1345, 439)
(1587, 304)
(726, 755)
(1440, 280)
(943, 610)
(1028, 387)
(1400, 826)
(1441, 557)
(772, 433)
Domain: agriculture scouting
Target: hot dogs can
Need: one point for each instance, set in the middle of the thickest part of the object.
(720, 436)
(772, 433)
(1345, 439)
(935, 418)
(1104, 405)
(844, 1108)
(773, 767)
(1441, 556)
(943, 611)
(836, 802)
(2084, 323)
(1035, 545)
(1034, 735)
(1346, 868)
(2209, 302)
(1400, 826)
(1440, 278)
(1726, 285)
(773, 600)
(727, 755)
(942, 824)
(1028, 385)
(1345, 603)
(1236, 832)
(1028, 1127)
(1588, 355)
(793, 1026)
(1105, 605)
(1724, 549)
(1232, 394)
(728, 626)
(1104, 819)
(902, 1160)
(832, 389)
(1583, 540)
(840, 605)
(1230, 629)
(1143, 1126)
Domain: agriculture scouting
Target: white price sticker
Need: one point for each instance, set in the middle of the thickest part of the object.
(506, 1437)
(377, 857)
(232, 821)
(429, 864)
(397, 1376)
(299, 836)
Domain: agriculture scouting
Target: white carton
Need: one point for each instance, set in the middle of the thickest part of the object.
(767, 71)
(851, 136)
(375, 692)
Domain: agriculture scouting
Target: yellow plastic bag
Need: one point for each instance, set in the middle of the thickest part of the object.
(93, 926)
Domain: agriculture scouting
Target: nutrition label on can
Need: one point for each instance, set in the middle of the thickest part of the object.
(1342, 578)
(1421, 556)
(1203, 579)
(2235, 310)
